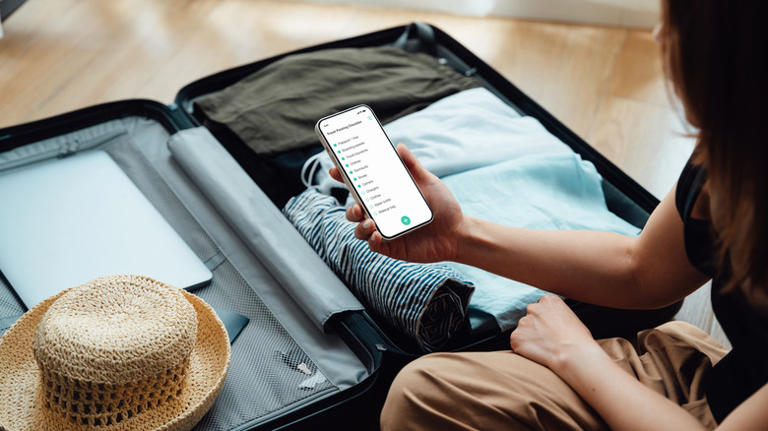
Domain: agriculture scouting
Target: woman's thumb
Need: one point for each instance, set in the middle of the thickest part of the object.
(411, 162)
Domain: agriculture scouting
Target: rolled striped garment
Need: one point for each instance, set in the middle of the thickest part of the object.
(426, 302)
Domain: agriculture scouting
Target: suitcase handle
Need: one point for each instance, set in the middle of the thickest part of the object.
(423, 33)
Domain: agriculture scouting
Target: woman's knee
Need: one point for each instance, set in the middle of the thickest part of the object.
(482, 390)
(415, 395)
(454, 391)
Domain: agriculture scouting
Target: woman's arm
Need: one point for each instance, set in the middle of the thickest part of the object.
(553, 336)
(607, 269)
(621, 400)
(749, 415)
(602, 268)
(626, 404)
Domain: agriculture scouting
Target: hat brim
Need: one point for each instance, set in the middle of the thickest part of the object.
(21, 406)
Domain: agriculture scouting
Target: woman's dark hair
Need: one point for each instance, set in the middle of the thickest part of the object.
(716, 54)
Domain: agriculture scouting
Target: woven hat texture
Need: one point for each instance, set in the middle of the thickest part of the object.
(119, 353)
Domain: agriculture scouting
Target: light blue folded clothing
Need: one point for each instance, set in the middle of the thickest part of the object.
(428, 303)
(467, 130)
(548, 191)
(504, 168)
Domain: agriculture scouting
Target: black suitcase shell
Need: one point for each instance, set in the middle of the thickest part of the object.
(381, 350)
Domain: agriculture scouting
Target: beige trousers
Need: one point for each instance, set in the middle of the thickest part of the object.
(502, 390)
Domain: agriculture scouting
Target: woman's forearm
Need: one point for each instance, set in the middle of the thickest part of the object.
(621, 400)
(602, 268)
(589, 266)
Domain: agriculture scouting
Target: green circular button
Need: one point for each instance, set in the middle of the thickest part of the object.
(405, 220)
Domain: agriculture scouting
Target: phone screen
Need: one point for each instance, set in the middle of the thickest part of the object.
(369, 161)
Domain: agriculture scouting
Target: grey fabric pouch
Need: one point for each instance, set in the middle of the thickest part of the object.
(271, 237)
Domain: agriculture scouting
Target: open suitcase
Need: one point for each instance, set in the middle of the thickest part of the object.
(299, 311)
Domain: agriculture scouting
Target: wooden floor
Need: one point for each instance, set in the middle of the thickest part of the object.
(605, 83)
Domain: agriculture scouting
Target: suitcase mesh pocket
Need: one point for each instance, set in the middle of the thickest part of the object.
(266, 373)
(10, 308)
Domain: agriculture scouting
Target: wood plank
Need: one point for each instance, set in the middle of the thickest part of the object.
(637, 126)
(644, 140)
(638, 73)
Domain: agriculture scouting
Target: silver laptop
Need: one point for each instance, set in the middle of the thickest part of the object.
(67, 221)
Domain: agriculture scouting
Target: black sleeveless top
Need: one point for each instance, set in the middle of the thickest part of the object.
(745, 369)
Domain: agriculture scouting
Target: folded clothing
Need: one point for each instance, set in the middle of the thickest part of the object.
(544, 191)
(467, 130)
(501, 167)
(428, 303)
(275, 109)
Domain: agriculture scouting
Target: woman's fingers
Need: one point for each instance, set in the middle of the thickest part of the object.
(364, 230)
(375, 242)
(412, 163)
(335, 174)
(354, 213)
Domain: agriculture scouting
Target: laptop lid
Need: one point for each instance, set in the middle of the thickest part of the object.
(68, 221)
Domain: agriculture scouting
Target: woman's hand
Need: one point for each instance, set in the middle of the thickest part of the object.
(552, 335)
(432, 243)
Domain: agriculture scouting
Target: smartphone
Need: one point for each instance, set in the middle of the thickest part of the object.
(373, 171)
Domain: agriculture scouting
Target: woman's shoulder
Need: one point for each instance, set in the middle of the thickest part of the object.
(690, 194)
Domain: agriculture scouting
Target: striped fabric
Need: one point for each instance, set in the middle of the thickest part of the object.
(427, 302)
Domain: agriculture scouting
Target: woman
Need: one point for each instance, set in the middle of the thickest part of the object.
(711, 225)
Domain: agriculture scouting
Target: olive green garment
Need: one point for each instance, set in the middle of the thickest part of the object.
(275, 109)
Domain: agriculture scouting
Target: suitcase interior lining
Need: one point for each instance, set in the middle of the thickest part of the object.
(262, 227)
(482, 325)
(263, 381)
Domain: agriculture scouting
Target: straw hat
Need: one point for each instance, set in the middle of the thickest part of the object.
(119, 353)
